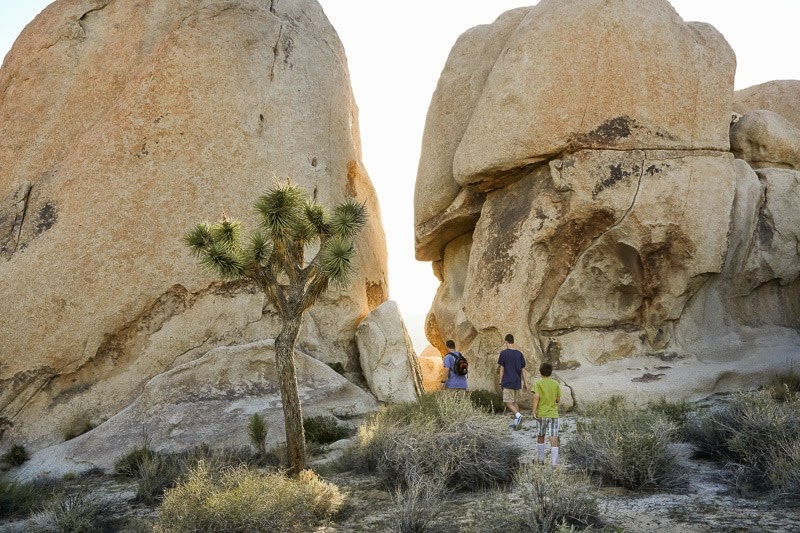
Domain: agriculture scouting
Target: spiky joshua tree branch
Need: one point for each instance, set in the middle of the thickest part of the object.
(273, 255)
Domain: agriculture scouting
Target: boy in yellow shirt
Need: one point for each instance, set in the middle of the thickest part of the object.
(547, 394)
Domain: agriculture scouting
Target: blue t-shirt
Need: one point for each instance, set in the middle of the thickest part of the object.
(512, 362)
(454, 381)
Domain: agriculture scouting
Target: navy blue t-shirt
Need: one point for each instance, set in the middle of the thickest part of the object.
(512, 362)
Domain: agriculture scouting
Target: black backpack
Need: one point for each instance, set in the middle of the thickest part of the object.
(460, 364)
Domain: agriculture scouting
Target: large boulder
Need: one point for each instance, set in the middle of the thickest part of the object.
(766, 140)
(122, 125)
(460, 86)
(430, 364)
(626, 74)
(778, 96)
(388, 360)
(612, 232)
(208, 400)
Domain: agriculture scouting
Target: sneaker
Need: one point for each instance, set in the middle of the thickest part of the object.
(513, 425)
(518, 422)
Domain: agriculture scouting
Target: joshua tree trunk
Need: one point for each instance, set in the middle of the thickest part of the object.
(292, 414)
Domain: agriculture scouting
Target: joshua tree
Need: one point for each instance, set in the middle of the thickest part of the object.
(273, 256)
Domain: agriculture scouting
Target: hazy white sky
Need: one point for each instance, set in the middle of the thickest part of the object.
(396, 51)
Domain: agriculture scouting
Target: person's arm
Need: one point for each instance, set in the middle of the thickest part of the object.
(524, 381)
(445, 370)
(501, 375)
(535, 405)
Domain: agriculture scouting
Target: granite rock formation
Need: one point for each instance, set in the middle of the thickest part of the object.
(597, 209)
(204, 401)
(388, 359)
(122, 124)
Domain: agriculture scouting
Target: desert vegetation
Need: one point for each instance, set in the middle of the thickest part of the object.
(274, 257)
(442, 464)
(627, 446)
(755, 439)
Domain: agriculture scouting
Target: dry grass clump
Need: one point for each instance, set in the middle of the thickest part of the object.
(21, 499)
(544, 500)
(626, 446)
(240, 499)
(72, 513)
(785, 387)
(155, 472)
(755, 437)
(421, 504)
(440, 436)
(323, 429)
(676, 412)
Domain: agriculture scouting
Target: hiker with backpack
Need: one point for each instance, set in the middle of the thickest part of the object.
(456, 367)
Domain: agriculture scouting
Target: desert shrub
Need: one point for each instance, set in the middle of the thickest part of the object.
(21, 499)
(785, 387)
(257, 429)
(129, 465)
(72, 513)
(244, 500)
(421, 504)
(606, 408)
(754, 437)
(15, 456)
(155, 474)
(323, 429)
(440, 436)
(543, 500)
(489, 401)
(627, 447)
(675, 412)
(784, 472)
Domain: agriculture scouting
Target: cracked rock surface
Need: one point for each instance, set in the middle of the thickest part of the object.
(614, 222)
(123, 124)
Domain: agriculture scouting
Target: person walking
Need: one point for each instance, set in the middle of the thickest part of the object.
(452, 379)
(546, 397)
(512, 378)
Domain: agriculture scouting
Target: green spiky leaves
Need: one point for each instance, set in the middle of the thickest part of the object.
(217, 246)
(199, 238)
(336, 259)
(223, 260)
(281, 210)
(289, 223)
(348, 219)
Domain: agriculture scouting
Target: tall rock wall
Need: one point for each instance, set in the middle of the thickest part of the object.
(122, 124)
(588, 202)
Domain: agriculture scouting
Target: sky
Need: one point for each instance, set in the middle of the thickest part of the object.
(396, 51)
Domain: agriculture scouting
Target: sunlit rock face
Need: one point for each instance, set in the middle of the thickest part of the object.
(596, 209)
(122, 124)
(388, 360)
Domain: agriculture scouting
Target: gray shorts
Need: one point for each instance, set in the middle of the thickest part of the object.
(548, 425)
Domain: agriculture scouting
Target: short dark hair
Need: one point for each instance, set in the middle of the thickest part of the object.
(546, 369)
(510, 338)
(450, 344)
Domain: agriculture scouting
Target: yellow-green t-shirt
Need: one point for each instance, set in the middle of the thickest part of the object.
(549, 391)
